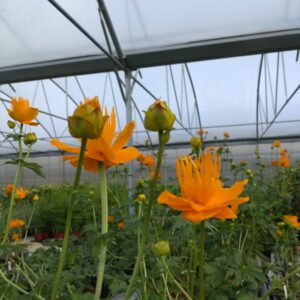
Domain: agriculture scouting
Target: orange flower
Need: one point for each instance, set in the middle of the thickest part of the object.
(292, 221)
(21, 193)
(103, 149)
(226, 134)
(121, 225)
(284, 162)
(148, 161)
(276, 144)
(110, 218)
(140, 158)
(16, 237)
(8, 189)
(283, 152)
(16, 223)
(200, 131)
(202, 193)
(22, 112)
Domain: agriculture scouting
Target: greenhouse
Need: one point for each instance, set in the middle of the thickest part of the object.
(150, 149)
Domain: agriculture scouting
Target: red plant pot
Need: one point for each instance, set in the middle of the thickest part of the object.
(77, 233)
(39, 236)
(58, 235)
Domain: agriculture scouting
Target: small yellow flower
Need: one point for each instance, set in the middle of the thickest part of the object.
(279, 233)
(21, 193)
(16, 237)
(141, 197)
(35, 197)
(21, 111)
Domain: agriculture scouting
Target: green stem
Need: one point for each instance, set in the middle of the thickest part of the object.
(193, 260)
(29, 222)
(280, 283)
(201, 260)
(104, 230)
(12, 284)
(68, 221)
(174, 280)
(16, 180)
(147, 220)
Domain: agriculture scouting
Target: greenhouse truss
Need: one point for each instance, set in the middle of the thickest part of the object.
(236, 71)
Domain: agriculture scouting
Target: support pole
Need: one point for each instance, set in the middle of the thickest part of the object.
(128, 105)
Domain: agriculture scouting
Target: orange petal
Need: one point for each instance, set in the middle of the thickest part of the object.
(226, 196)
(175, 202)
(226, 213)
(109, 128)
(124, 136)
(90, 165)
(126, 155)
(197, 217)
(65, 147)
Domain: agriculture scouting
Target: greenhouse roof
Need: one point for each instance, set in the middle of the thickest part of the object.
(42, 39)
(51, 48)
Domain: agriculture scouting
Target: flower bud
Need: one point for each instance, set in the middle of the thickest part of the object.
(249, 173)
(87, 121)
(161, 248)
(165, 136)
(11, 124)
(159, 117)
(35, 197)
(141, 197)
(195, 143)
(29, 138)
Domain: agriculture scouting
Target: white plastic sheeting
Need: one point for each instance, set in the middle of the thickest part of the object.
(34, 31)
(226, 94)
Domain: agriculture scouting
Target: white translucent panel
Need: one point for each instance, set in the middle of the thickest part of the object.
(34, 31)
(143, 23)
(225, 89)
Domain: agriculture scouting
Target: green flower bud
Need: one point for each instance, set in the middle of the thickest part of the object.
(196, 143)
(11, 124)
(159, 117)
(165, 137)
(29, 138)
(161, 248)
(87, 121)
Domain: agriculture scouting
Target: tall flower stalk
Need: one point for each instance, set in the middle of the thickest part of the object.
(203, 196)
(158, 118)
(68, 221)
(86, 123)
(101, 153)
(104, 230)
(21, 112)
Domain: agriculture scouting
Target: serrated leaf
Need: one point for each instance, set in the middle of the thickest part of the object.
(12, 162)
(36, 168)
(14, 136)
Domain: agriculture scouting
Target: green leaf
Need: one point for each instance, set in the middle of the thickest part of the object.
(14, 136)
(12, 162)
(36, 168)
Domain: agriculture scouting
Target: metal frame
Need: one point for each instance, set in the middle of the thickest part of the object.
(204, 50)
